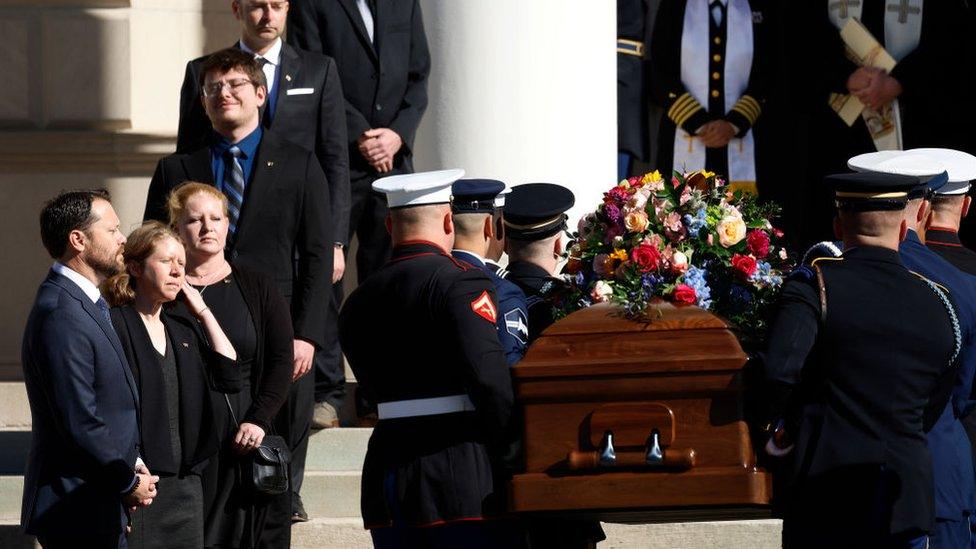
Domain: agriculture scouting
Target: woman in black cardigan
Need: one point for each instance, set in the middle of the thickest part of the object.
(258, 322)
(175, 369)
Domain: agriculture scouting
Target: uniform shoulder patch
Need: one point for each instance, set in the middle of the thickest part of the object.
(517, 325)
(485, 308)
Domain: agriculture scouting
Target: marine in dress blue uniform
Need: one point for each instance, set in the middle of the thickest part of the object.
(476, 220)
(438, 374)
(952, 460)
(856, 351)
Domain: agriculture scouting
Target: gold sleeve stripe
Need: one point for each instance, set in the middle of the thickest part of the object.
(688, 113)
(679, 104)
(749, 108)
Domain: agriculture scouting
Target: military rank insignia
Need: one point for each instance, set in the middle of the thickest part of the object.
(484, 307)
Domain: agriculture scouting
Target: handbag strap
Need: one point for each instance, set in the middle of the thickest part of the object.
(231, 408)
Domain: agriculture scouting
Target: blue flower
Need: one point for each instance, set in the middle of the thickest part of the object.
(764, 275)
(695, 278)
(740, 295)
(694, 223)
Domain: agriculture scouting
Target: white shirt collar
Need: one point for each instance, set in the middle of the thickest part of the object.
(86, 285)
(472, 254)
(273, 55)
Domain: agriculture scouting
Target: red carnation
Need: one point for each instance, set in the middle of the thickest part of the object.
(745, 265)
(646, 257)
(685, 294)
(757, 242)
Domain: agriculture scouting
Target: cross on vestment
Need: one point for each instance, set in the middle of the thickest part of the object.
(691, 143)
(903, 8)
(843, 5)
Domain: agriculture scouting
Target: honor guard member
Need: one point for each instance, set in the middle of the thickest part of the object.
(535, 217)
(476, 222)
(856, 347)
(438, 373)
(950, 205)
(952, 460)
(496, 248)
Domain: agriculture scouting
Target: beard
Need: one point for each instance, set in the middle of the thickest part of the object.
(106, 263)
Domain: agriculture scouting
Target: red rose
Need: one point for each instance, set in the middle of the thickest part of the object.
(684, 293)
(745, 265)
(757, 242)
(646, 257)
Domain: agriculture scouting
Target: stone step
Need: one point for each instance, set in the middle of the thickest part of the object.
(348, 533)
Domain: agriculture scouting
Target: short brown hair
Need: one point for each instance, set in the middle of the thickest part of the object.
(69, 211)
(120, 289)
(230, 59)
(177, 199)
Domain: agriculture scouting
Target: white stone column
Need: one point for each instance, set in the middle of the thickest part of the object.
(523, 91)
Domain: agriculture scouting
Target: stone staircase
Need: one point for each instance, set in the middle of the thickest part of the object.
(331, 496)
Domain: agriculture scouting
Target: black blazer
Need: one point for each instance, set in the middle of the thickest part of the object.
(285, 214)
(84, 427)
(316, 121)
(199, 369)
(385, 85)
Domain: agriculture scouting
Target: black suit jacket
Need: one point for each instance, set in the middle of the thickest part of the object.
(316, 120)
(385, 85)
(285, 214)
(83, 401)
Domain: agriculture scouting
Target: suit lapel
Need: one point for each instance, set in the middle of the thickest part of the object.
(379, 25)
(107, 328)
(357, 22)
(289, 70)
(198, 166)
(264, 177)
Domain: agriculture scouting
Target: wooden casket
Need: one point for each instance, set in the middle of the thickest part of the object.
(637, 422)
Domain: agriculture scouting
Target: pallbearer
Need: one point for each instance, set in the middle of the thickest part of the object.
(857, 346)
(437, 371)
(535, 218)
(949, 206)
(477, 221)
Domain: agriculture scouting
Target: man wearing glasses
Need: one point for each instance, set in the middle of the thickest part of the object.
(279, 204)
(305, 105)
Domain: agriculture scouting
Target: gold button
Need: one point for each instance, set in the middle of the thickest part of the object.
(716, 76)
(716, 58)
(714, 93)
(718, 40)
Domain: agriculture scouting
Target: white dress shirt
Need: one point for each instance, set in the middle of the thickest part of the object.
(273, 58)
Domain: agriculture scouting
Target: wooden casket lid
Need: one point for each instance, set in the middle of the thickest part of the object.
(601, 340)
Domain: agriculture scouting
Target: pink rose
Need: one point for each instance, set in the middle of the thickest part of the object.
(684, 294)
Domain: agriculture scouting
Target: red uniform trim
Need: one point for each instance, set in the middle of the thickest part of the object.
(948, 244)
(461, 264)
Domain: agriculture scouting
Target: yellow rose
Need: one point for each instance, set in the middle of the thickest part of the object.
(620, 255)
(636, 221)
(731, 230)
(651, 177)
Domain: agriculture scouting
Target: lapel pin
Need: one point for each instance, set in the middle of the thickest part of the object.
(185, 344)
(270, 163)
(288, 77)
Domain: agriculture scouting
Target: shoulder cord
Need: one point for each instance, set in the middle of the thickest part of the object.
(956, 332)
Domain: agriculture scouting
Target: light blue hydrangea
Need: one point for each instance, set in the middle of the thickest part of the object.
(693, 224)
(764, 275)
(695, 278)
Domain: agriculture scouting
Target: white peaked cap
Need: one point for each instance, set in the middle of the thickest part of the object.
(910, 163)
(500, 197)
(418, 189)
(960, 165)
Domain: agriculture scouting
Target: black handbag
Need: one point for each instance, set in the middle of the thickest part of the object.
(265, 469)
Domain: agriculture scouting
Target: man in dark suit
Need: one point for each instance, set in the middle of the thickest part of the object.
(304, 105)
(83, 469)
(381, 52)
(278, 206)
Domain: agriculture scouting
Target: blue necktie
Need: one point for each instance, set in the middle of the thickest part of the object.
(234, 185)
(103, 307)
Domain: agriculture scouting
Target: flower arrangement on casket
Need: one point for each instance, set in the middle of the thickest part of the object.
(690, 240)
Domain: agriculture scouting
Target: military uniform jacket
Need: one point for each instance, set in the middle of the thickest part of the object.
(537, 285)
(432, 320)
(871, 371)
(513, 315)
(951, 450)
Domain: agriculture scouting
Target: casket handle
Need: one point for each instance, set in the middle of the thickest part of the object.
(607, 455)
(654, 456)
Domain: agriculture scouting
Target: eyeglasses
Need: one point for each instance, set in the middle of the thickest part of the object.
(214, 89)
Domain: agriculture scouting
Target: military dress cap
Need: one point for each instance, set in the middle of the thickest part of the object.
(475, 195)
(960, 165)
(929, 172)
(863, 192)
(534, 211)
(418, 189)
(500, 199)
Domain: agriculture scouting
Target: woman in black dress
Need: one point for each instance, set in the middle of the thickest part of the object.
(258, 322)
(175, 369)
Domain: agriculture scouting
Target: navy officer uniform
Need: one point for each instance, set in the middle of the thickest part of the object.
(477, 196)
(952, 460)
(856, 349)
(533, 212)
(440, 380)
